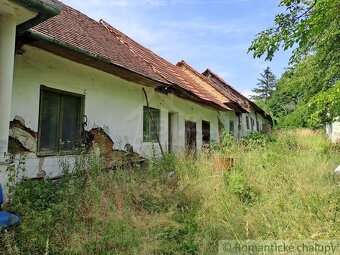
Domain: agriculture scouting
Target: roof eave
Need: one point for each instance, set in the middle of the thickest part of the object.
(50, 40)
(46, 9)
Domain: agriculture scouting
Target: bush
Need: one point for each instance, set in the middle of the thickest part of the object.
(255, 139)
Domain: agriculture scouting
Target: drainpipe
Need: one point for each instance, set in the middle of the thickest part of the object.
(46, 9)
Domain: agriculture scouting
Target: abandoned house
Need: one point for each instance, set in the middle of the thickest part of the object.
(63, 74)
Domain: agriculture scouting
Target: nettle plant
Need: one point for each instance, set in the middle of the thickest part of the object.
(255, 139)
(15, 168)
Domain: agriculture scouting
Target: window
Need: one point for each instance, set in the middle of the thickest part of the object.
(247, 122)
(205, 132)
(150, 129)
(231, 126)
(257, 126)
(59, 121)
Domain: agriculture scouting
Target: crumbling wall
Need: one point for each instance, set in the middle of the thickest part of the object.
(23, 142)
(21, 138)
(102, 145)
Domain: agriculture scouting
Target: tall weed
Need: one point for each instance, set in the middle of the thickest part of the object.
(280, 187)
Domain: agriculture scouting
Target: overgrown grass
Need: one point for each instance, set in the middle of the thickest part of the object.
(280, 187)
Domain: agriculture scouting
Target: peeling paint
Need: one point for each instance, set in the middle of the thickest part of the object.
(28, 142)
(19, 122)
(102, 145)
(22, 138)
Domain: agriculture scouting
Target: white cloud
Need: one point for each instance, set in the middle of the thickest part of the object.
(226, 75)
(201, 26)
(247, 93)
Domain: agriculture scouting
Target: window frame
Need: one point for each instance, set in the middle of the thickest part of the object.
(148, 139)
(81, 114)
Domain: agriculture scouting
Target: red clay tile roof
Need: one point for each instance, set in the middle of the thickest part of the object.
(165, 69)
(209, 85)
(235, 95)
(78, 30)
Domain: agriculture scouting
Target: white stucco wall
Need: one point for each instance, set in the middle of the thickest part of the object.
(225, 117)
(257, 118)
(112, 103)
(333, 131)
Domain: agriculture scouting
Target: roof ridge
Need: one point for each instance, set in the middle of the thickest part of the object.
(223, 81)
(121, 34)
(173, 69)
(252, 105)
(204, 78)
(119, 37)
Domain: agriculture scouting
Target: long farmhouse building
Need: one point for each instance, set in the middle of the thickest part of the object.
(63, 74)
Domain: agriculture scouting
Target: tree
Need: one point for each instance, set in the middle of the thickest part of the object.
(325, 106)
(266, 86)
(311, 27)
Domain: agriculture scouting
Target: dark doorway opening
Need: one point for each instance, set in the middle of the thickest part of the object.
(205, 132)
(190, 136)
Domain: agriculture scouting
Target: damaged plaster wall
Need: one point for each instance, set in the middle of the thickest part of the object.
(111, 103)
(333, 131)
(22, 138)
(23, 147)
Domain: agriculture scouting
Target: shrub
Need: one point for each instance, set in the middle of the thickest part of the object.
(255, 139)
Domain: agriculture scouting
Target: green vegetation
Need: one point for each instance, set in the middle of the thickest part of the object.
(281, 187)
(265, 87)
(308, 93)
(305, 96)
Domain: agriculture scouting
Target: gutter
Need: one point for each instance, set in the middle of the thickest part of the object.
(40, 36)
(46, 9)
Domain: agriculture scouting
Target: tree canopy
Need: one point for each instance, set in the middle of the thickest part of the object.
(308, 92)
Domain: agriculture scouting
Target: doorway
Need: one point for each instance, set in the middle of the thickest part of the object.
(190, 136)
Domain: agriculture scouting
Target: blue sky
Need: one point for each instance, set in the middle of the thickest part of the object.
(204, 33)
